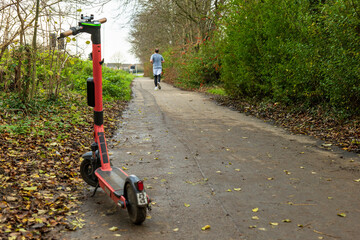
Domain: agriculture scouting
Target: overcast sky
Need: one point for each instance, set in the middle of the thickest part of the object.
(115, 33)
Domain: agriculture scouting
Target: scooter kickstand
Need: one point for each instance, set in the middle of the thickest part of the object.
(97, 186)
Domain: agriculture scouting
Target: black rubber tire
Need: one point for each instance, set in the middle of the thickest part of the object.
(137, 214)
(87, 173)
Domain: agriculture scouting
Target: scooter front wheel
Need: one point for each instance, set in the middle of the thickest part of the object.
(87, 172)
(137, 214)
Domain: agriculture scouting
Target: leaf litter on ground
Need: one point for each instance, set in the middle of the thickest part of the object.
(39, 171)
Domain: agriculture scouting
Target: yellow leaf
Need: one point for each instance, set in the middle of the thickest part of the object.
(38, 220)
(148, 217)
(186, 205)
(252, 226)
(30, 188)
(124, 168)
(113, 229)
(255, 209)
(357, 180)
(176, 229)
(287, 172)
(206, 227)
(341, 214)
(229, 190)
(287, 220)
(237, 189)
(274, 223)
(237, 169)
(255, 218)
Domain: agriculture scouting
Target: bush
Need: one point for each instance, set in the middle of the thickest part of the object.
(300, 53)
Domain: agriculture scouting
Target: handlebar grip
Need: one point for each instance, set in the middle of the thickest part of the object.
(66, 33)
(102, 20)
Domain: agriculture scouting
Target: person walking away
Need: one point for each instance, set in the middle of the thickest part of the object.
(156, 59)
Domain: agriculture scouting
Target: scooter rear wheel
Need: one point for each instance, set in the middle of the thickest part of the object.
(137, 214)
(87, 172)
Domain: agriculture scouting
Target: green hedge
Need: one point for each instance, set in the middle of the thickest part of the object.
(295, 52)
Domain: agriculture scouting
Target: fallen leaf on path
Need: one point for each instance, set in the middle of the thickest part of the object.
(270, 178)
(113, 229)
(176, 229)
(117, 235)
(124, 168)
(286, 221)
(186, 205)
(341, 214)
(274, 223)
(252, 226)
(148, 217)
(218, 171)
(237, 169)
(287, 172)
(229, 190)
(237, 189)
(206, 227)
(357, 180)
(255, 209)
(262, 229)
(255, 218)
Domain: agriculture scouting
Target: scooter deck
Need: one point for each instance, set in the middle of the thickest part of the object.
(114, 178)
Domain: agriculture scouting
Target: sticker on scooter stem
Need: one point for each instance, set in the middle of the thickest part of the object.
(142, 199)
(103, 147)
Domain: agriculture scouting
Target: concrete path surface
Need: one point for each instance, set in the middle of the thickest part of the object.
(204, 164)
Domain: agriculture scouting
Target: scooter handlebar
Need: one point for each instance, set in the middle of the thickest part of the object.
(66, 34)
(71, 31)
(74, 30)
(102, 20)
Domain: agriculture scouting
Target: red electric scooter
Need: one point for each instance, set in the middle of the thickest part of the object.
(125, 190)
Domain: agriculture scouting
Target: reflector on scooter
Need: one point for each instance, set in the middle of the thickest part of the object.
(140, 185)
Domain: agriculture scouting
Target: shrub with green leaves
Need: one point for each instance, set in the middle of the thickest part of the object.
(300, 53)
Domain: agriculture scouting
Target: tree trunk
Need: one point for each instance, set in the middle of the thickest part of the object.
(34, 51)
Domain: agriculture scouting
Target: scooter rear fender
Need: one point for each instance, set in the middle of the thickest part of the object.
(132, 180)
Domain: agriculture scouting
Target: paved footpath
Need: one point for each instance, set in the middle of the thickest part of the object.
(204, 164)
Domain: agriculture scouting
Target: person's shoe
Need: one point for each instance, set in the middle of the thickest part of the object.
(156, 88)
(159, 85)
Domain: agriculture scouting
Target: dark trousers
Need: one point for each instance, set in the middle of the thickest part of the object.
(157, 79)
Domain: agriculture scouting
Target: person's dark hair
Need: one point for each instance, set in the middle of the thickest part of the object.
(156, 50)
